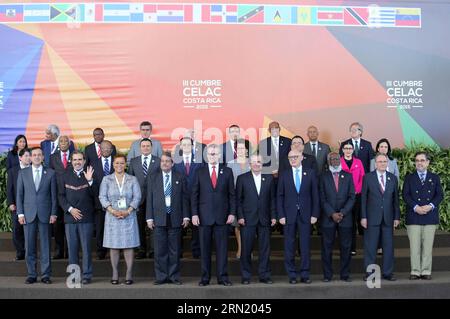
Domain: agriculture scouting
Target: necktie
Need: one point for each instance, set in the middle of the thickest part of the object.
(275, 146)
(297, 180)
(336, 180)
(235, 150)
(53, 146)
(106, 168)
(65, 159)
(99, 153)
(167, 191)
(422, 177)
(144, 166)
(356, 148)
(187, 166)
(314, 149)
(382, 184)
(214, 177)
(37, 180)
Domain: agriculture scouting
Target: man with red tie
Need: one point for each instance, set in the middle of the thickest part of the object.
(93, 151)
(213, 206)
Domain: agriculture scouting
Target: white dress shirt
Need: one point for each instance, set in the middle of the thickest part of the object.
(149, 159)
(211, 169)
(276, 144)
(109, 162)
(379, 174)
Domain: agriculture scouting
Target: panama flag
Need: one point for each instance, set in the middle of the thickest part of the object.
(170, 13)
(11, 13)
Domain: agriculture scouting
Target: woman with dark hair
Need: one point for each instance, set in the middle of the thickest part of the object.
(384, 147)
(20, 143)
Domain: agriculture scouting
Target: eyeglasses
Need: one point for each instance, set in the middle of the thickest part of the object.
(348, 148)
(293, 157)
(420, 161)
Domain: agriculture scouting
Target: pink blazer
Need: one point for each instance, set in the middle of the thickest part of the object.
(357, 171)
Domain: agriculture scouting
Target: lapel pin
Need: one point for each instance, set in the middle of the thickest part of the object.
(304, 173)
(320, 149)
(389, 178)
(45, 172)
(153, 160)
(342, 176)
(263, 179)
(221, 172)
(176, 182)
(430, 180)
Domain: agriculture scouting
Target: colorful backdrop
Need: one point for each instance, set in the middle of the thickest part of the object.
(83, 64)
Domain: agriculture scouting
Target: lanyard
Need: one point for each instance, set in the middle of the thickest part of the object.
(120, 186)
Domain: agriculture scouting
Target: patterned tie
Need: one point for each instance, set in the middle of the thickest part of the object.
(106, 168)
(187, 166)
(53, 146)
(275, 146)
(37, 180)
(382, 184)
(356, 148)
(214, 176)
(99, 153)
(65, 160)
(144, 166)
(422, 177)
(297, 180)
(336, 180)
(235, 150)
(167, 191)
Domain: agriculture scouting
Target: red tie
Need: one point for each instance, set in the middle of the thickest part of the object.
(187, 166)
(214, 177)
(336, 180)
(235, 149)
(99, 154)
(65, 160)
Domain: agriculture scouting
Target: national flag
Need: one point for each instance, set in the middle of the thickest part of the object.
(250, 14)
(150, 13)
(307, 15)
(116, 12)
(11, 12)
(330, 15)
(407, 17)
(137, 12)
(381, 17)
(170, 13)
(196, 15)
(63, 12)
(220, 13)
(356, 16)
(277, 15)
(36, 13)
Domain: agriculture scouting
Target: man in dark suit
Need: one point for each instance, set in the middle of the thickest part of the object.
(422, 193)
(76, 197)
(229, 148)
(362, 148)
(143, 166)
(274, 149)
(60, 163)
(167, 212)
(213, 205)
(317, 149)
(92, 151)
(36, 209)
(188, 166)
(380, 213)
(256, 210)
(51, 143)
(298, 208)
(11, 193)
(337, 196)
(198, 149)
(308, 161)
(102, 167)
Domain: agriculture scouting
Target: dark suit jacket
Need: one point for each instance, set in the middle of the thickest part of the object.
(156, 204)
(135, 169)
(308, 161)
(269, 159)
(333, 201)
(12, 160)
(416, 193)
(98, 178)
(198, 153)
(56, 163)
(322, 153)
(46, 149)
(228, 152)
(11, 185)
(365, 153)
(40, 204)
(213, 205)
(91, 153)
(75, 191)
(193, 169)
(376, 206)
(255, 209)
(289, 202)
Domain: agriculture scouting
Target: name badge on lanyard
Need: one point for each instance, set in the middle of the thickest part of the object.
(122, 202)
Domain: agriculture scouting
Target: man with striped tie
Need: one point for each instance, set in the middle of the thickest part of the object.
(142, 166)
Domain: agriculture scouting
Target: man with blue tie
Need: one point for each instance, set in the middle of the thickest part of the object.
(37, 201)
(256, 209)
(167, 212)
(422, 193)
(102, 167)
(188, 164)
(380, 213)
(298, 208)
(213, 206)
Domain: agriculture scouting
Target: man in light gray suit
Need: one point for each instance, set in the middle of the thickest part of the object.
(37, 209)
(135, 149)
(317, 149)
(141, 167)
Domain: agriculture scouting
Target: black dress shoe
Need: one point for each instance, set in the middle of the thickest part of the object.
(305, 280)
(20, 257)
(203, 283)
(30, 280)
(151, 255)
(346, 279)
(389, 278)
(86, 281)
(326, 279)
(245, 282)
(129, 282)
(114, 282)
(140, 255)
(426, 277)
(414, 277)
(46, 281)
(58, 256)
(292, 281)
(225, 283)
(353, 253)
(176, 282)
(266, 281)
(159, 282)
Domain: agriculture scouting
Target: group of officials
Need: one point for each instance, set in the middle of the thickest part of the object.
(55, 188)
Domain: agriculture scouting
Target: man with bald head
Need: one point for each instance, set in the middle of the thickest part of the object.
(298, 208)
(317, 149)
